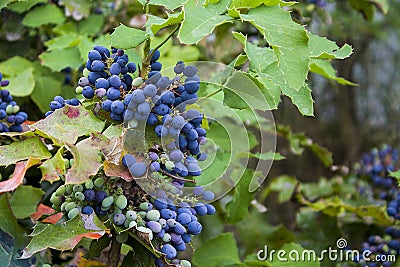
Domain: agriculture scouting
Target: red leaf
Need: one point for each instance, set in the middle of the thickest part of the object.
(42, 210)
(18, 175)
(53, 219)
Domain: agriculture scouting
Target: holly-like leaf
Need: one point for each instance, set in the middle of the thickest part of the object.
(241, 92)
(113, 170)
(324, 68)
(61, 58)
(199, 21)
(253, 3)
(23, 6)
(155, 23)
(41, 210)
(125, 37)
(218, 251)
(69, 123)
(53, 168)
(113, 131)
(301, 98)
(46, 14)
(321, 47)
(18, 175)
(61, 236)
(288, 39)
(169, 4)
(112, 148)
(22, 150)
(23, 206)
(87, 162)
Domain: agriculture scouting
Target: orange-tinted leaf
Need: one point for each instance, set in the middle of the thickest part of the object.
(117, 170)
(18, 175)
(42, 210)
(53, 219)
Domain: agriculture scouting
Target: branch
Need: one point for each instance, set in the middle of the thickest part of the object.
(177, 177)
(115, 251)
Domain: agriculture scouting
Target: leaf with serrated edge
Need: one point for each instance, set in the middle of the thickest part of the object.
(29, 148)
(198, 22)
(18, 175)
(321, 47)
(53, 168)
(324, 68)
(112, 148)
(218, 251)
(69, 123)
(241, 92)
(125, 37)
(288, 39)
(46, 14)
(170, 4)
(156, 23)
(87, 162)
(62, 236)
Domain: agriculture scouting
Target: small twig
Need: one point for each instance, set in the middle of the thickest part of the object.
(177, 177)
(146, 61)
(115, 251)
(210, 94)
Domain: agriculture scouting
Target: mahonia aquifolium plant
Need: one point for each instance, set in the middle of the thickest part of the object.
(167, 219)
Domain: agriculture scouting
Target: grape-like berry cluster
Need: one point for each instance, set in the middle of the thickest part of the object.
(11, 118)
(165, 216)
(376, 166)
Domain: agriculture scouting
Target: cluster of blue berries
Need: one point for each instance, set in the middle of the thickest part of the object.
(11, 118)
(376, 166)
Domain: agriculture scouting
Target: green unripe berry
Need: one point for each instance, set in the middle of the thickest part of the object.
(16, 109)
(69, 188)
(71, 162)
(77, 188)
(9, 109)
(62, 207)
(105, 209)
(78, 90)
(169, 165)
(131, 215)
(141, 223)
(122, 237)
(99, 182)
(56, 200)
(121, 202)
(107, 202)
(61, 190)
(153, 215)
(89, 184)
(144, 206)
(46, 265)
(166, 238)
(137, 81)
(70, 206)
(56, 207)
(85, 72)
(142, 214)
(79, 196)
(186, 263)
(73, 213)
(132, 224)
